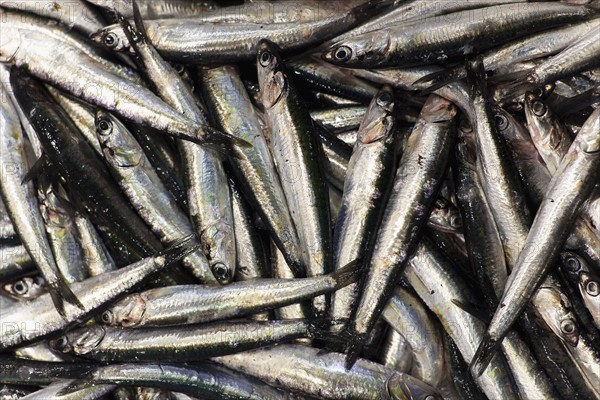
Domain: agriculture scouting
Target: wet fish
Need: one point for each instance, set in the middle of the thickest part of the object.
(445, 36)
(419, 177)
(297, 157)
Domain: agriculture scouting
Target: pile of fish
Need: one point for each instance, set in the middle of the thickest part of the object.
(353, 199)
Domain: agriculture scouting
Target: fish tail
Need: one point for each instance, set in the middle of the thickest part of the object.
(320, 328)
(223, 143)
(353, 349)
(348, 274)
(138, 21)
(60, 293)
(440, 79)
(484, 354)
(476, 78)
(180, 249)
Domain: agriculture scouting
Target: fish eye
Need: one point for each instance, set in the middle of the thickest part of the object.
(110, 40)
(61, 343)
(456, 221)
(20, 287)
(265, 58)
(501, 121)
(572, 264)
(538, 108)
(384, 99)
(343, 53)
(104, 127)
(221, 272)
(592, 288)
(107, 317)
(567, 326)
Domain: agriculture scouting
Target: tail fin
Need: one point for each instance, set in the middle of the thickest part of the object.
(40, 167)
(60, 293)
(476, 78)
(134, 34)
(354, 349)
(348, 274)
(222, 143)
(180, 249)
(440, 79)
(473, 309)
(484, 354)
(320, 328)
(138, 21)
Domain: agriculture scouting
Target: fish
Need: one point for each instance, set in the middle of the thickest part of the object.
(297, 158)
(366, 190)
(568, 189)
(446, 36)
(253, 167)
(324, 375)
(194, 304)
(209, 196)
(418, 178)
(93, 293)
(194, 342)
(23, 208)
(200, 42)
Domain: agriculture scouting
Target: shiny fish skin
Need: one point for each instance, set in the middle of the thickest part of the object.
(178, 305)
(93, 293)
(129, 99)
(419, 177)
(586, 280)
(445, 36)
(22, 205)
(193, 41)
(297, 157)
(192, 342)
(85, 175)
(76, 14)
(253, 167)
(15, 261)
(300, 200)
(205, 381)
(568, 189)
(323, 375)
(329, 79)
(434, 280)
(408, 316)
(367, 187)
(209, 197)
(142, 186)
(153, 9)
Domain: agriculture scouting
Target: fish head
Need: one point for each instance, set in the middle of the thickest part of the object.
(112, 38)
(118, 144)
(588, 137)
(367, 50)
(445, 216)
(402, 386)
(79, 341)
(127, 312)
(378, 121)
(573, 265)
(272, 77)
(558, 314)
(589, 285)
(26, 288)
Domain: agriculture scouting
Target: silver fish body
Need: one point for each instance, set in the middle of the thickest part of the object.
(367, 187)
(420, 175)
